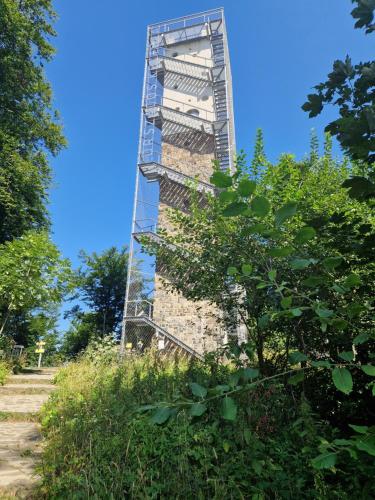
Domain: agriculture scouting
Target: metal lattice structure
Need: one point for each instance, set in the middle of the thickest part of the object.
(186, 123)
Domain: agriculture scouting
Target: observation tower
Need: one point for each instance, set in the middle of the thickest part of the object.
(186, 123)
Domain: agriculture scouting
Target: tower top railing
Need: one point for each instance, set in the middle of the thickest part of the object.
(188, 28)
(186, 21)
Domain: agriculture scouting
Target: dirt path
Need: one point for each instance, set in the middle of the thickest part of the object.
(20, 441)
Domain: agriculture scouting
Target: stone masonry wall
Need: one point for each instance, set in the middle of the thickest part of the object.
(195, 323)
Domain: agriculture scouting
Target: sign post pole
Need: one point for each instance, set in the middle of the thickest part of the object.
(40, 350)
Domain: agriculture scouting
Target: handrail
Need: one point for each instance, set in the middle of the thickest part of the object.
(164, 332)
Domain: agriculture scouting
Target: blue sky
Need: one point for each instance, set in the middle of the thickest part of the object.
(279, 49)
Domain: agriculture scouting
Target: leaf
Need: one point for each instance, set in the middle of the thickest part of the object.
(260, 206)
(247, 436)
(234, 379)
(257, 228)
(343, 442)
(331, 263)
(361, 338)
(234, 209)
(296, 312)
(296, 379)
(263, 321)
(342, 378)
(305, 234)
(246, 269)
(280, 251)
(249, 373)
(313, 281)
(161, 415)
(346, 355)
(226, 446)
(227, 196)
(339, 289)
(324, 461)
(221, 180)
(197, 409)
(246, 187)
(367, 445)
(272, 275)
(313, 105)
(324, 313)
(286, 302)
(321, 364)
(232, 271)
(361, 429)
(198, 390)
(285, 212)
(221, 389)
(297, 357)
(229, 409)
(143, 409)
(355, 309)
(360, 188)
(369, 370)
(298, 264)
(339, 324)
(352, 280)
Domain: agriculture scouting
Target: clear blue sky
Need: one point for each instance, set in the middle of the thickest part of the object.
(279, 49)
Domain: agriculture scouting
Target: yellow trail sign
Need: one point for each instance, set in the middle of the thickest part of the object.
(40, 351)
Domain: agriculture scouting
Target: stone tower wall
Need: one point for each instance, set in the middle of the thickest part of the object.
(195, 323)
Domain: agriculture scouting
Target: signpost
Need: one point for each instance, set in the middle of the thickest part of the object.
(40, 350)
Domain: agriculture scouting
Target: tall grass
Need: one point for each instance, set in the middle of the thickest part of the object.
(99, 446)
(4, 371)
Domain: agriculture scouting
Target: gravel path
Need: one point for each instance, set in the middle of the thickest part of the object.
(20, 439)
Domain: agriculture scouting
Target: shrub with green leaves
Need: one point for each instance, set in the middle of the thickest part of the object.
(102, 443)
(4, 371)
(290, 257)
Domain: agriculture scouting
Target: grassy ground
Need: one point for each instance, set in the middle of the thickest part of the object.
(99, 446)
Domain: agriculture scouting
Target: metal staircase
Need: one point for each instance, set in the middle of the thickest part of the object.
(205, 130)
(172, 344)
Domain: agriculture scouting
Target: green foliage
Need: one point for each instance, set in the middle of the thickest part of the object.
(29, 128)
(364, 12)
(291, 263)
(26, 98)
(101, 283)
(32, 275)
(4, 371)
(350, 88)
(101, 442)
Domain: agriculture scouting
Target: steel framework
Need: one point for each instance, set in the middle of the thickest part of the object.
(186, 122)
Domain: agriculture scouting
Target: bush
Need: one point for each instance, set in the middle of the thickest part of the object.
(100, 445)
(4, 371)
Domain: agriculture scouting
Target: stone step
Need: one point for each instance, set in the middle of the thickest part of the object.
(27, 389)
(19, 449)
(32, 378)
(22, 403)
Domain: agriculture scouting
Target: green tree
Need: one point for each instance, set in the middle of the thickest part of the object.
(82, 329)
(286, 258)
(223, 252)
(101, 288)
(351, 89)
(102, 284)
(29, 128)
(32, 275)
